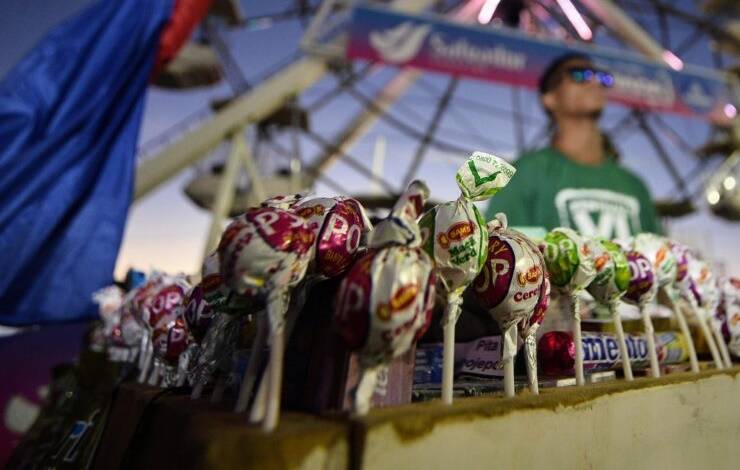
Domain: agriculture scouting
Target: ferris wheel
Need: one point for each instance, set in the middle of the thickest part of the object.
(268, 137)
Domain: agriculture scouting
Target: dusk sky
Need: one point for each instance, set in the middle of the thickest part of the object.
(167, 232)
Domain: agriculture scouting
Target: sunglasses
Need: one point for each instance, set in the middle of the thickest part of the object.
(587, 74)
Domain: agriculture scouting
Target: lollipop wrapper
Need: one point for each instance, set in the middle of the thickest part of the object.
(659, 252)
(454, 234)
(730, 305)
(339, 224)
(569, 259)
(198, 313)
(171, 341)
(166, 304)
(509, 285)
(643, 286)
(400, 227)
(482, 176)
(384, 303)
(265, 249)
(283, 201)
(612, 272)
(704, 287)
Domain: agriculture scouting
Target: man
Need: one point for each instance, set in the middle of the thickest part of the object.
(575, 182)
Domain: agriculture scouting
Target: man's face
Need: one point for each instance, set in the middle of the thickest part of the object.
(570, 99)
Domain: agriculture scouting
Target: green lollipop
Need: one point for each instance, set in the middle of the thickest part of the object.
(611, 282)
(570, 263)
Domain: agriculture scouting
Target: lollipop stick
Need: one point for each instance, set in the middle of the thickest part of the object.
(530, 349)
(275, 381)
(710, 342)
(452, 311)
(364, 390)
(575, 303)
(623, 351)
(684, 326)
(508, 353)
(277, 307)
(145, 358)
(650, 336)
(724, 352)
(255, 359)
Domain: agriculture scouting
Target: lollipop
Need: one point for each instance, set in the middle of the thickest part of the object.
(730, 305)
(264, 254)
(454, 234)
(670, 269)
(570, 264)
(385, 301)
(703, 297)
(339, 225)
(641, 291)
(510, 287)
(610, 284)
(160, 311)
(169, 343)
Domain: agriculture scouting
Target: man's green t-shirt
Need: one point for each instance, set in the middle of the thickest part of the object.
(549, 190)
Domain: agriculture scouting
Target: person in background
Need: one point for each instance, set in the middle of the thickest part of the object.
(576, 181)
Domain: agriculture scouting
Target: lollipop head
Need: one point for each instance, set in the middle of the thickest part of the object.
(642, 286)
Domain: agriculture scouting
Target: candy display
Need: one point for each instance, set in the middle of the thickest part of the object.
(556, 351)
(264, 254)
(510, 287)
(384, 303)
(610, 284)
(642, 289)
(570, 263)
(454, 234)
(670, 265)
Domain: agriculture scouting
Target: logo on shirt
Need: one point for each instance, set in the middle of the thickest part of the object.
(598, 212)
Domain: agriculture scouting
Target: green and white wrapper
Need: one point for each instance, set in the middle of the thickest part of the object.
(570, 263)
(611, 282)
(454, 234)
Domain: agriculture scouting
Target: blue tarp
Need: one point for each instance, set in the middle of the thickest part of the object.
(70, 113)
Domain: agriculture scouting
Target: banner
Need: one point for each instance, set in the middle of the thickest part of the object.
(508, 56)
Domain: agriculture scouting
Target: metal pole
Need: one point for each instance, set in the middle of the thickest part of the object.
(225, 195)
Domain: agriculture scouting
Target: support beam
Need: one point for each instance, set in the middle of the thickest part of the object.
(252, 106)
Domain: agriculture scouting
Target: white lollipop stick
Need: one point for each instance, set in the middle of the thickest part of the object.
(256, 356)
(145, 358)
(451, 314)
(508, 353)
(650, 337)
(275, 380)
(365, 389)
(622, 342)
(684, 326)
(724, 352)
(575, 303)
(530, 350)
(708, 337)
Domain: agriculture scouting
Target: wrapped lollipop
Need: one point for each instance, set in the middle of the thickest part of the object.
(610, 284)
(264, 255)
(703, 296)
(170, 342)
(160, 311)
(571, 267)
(670, 270)
(454, 234)
(730, 306)
(385, 301)
(340, 225)
(641, 291)
(510, 287)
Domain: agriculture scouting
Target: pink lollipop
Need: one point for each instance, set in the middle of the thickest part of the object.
(264, 254)
(384, 303)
